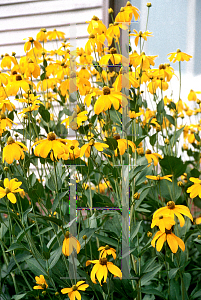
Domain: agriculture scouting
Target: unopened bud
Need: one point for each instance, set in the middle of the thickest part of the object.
(110, 11)
(84, 237)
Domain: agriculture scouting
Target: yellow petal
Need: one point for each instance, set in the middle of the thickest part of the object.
(114, 269)
(12, 198)
(172, 242)
(160, 242)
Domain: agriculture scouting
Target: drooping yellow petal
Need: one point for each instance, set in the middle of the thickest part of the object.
(12, 198)
(160, 242)
(114, 269)
(66, 290)
(172, 242)
(6, 183)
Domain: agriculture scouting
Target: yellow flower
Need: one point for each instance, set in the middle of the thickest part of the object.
(42, 284)
(109, 97)
(134, 10)
(192, 95)
(73, 291)
(86, 149)
(123, 145)
(30, 42)
(107, 250)
(142, 60)
(171, 209)
(5, 122)
(13, 87)
(101, 268)
(13, 151)
(56, 146)
(76, 119)
(96, 26)
(11, 187)
(140, 35)
(163, 221)
(114, 57)
(69, 244)
(6, 105)
(7, 60)
(173, 241)
(179, 56)
(52, 35)
(152, 157)
(198, 220)
(42, 35)
(134, 115)
(195, 189)
(74, 150)
(158, 177)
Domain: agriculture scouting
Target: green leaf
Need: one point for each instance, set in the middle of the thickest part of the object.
(112, 143)
(136, 229)
(17, 246)
(44, 113)
(57, 199)
(106, 240)
(160, 106)
(173, 273)
(150, 276)
(23, 233)
(18, 297)
(54, 257)
(37, 267)
(173, 165)
(51, 219)
(152, 139)
(153, 292)
(175, 136)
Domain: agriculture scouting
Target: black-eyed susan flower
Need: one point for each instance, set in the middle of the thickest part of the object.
(108, 98)
(178, 210)
(195, 189)
(7, 60)
(163, 221)
(11, 187)
(69, 244)
(101, 268)
(96, 26)
(13, 87)
(139, 35)
(192, 95)
(173, 241)
(74, 150)
(107, 250)
(42, 35)
(179, 56)
(57, 147)
(13, 150)
(5, 122)
(158, 177)
(41, 283)
(30, 42)
(52, 35)
(86, 149)
(114, 57)
(134, 10)
(152, 157)
(123, 145)
(73, 291)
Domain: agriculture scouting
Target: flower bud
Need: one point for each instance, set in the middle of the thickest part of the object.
(57, 294)
(149, 4)
(149, 234)
(44, 292)
(110, 11)
(84, 237)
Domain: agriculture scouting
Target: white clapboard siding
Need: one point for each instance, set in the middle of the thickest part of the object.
(20, 19)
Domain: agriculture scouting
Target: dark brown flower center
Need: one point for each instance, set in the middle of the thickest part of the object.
(3, 117)
(103, 261)
(72, 147)
(92, 36)
(106, 90)
(148, 151)
(168, 231)
(51, 136)
(18, 77)
(95, 18)
(113, 50)
(116, 136)
(160, 217)
(171, 205)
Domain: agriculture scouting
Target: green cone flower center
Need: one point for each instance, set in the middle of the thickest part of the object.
(91, 143)
(10, 140)
(67, 234)
(107, 247)
(148, 151)
(171, 205)
(113, 50)
(7, 190)
(74, 288)
(3, 117)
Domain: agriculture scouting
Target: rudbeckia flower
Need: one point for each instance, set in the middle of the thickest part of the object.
(195, 189)
(140, 34)
(152, 157)
(109, 97)
(125, 80)
(144, 61)
(74, 150)
(101, 268)
(11, 187)
(52, 35)
(114, 57)
(42, 284)
(96, 26)
(6, 105)
(123, 145)
(192, 95)
(107, 250)
(42, 35)
(173, 241)
(134, 115)
(86, 149)
(30, 42)
(179, 56)
(5, 122)
(124, 16)
(73, 291)
(13, 87)
(56, 146)
(158, 177)
(134, 10)
(13, 150)
(69, 244)
(178, 210)
(7, 60)
(163, 221)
